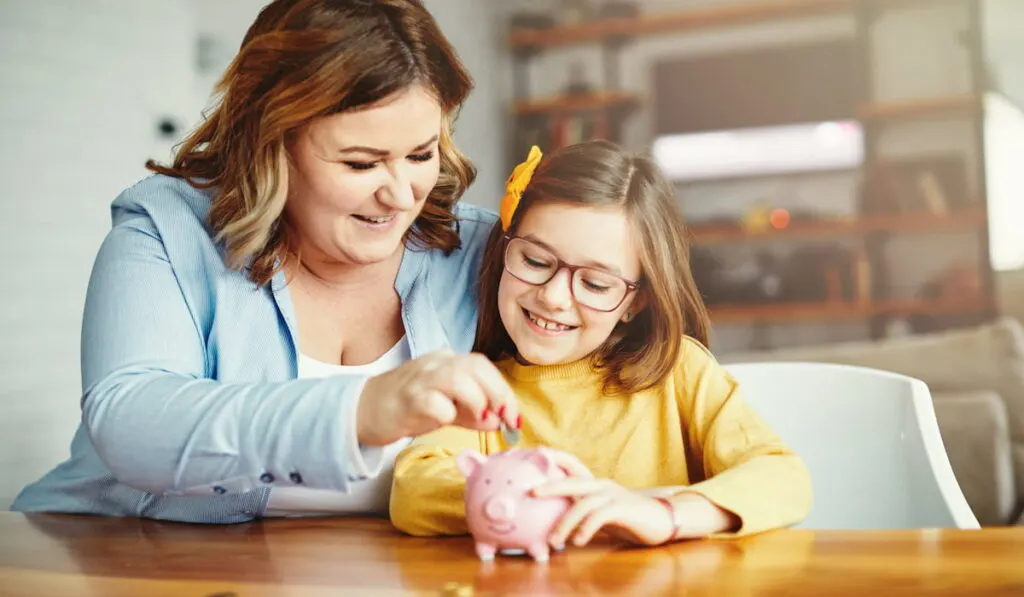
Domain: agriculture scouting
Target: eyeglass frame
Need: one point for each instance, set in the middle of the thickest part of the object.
(559, 266)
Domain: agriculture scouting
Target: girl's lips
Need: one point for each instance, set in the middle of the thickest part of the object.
(536, 326)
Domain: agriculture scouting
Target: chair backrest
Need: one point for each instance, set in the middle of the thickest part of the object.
(870, 441)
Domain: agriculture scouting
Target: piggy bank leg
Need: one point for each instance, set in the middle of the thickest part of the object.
(485, 551)
(539, 551)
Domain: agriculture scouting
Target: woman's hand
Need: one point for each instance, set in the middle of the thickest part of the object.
(437, 389)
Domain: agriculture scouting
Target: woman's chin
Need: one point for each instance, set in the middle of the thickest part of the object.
(369, 252)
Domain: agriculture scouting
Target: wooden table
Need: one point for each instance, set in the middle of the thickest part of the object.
(110, 557)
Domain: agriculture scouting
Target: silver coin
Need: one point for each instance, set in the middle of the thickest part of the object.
(511, 436)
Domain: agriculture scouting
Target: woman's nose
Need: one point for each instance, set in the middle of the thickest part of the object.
(397, 192)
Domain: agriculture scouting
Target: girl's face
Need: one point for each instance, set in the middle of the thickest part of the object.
(359, 179)
(547, 322)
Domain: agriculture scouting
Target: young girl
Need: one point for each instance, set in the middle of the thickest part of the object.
(589, 308)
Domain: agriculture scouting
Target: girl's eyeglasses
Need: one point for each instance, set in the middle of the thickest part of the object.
(592, 288)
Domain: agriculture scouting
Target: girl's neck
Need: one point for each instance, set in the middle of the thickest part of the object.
(522, 370)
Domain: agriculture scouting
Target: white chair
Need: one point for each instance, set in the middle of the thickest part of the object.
(870, 441)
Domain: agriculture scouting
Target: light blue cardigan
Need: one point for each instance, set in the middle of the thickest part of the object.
(191, 410)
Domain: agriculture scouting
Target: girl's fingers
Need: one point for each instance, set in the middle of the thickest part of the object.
(593, 523)
(571, 487)
(569, 463)
(572, 518)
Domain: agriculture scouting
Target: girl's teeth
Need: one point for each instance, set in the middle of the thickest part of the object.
(548, 325)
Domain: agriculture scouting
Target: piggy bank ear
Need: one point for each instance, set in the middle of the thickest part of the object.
(469, 461)
(542, 459)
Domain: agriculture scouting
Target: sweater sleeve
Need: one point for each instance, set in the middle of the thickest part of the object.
(748, 470)
(428, 491)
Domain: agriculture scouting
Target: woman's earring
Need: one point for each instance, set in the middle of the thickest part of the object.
(627, 317)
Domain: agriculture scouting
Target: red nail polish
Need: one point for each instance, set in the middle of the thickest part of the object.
(501, 411)
(519, 421)
(487, 414)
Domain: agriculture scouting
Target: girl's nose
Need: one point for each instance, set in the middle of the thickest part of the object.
(556, 293)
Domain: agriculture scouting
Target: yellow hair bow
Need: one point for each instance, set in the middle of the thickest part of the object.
(516, 185)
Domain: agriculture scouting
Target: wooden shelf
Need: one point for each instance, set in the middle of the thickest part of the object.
(920, 108)
(715, 234)
(693, 19)
(793, 312)
(580, 102)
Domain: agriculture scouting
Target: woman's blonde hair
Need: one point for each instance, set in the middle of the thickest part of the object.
(302, 60)
(641, 353)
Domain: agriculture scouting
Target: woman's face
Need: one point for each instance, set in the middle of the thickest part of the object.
(357, 180)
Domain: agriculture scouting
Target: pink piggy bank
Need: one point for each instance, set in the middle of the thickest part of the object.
(500, 512)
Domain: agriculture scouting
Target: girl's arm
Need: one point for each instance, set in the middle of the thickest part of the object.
(750, 474)
(428, 491)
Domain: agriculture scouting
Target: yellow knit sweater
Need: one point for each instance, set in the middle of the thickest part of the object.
(693, 432)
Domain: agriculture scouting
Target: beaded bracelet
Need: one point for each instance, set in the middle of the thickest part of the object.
(677, 522)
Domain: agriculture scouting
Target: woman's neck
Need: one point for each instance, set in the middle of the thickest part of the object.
(340, 276)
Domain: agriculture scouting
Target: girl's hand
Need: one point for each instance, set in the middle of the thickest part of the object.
(569, 463)
(601, 503)
(632, 515)
(438, 389)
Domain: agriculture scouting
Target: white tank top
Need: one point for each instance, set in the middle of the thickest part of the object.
(366, 497)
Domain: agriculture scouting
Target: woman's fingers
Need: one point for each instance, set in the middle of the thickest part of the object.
(467, 393)
(437, 408)
(476, 386)
(440, 388)
(500, 398)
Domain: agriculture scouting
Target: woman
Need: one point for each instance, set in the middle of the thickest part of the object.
(272, 316)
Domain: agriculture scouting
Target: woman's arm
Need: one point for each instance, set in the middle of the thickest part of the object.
(750, 472)
(162, 426)
(428, 491)
(156, 421)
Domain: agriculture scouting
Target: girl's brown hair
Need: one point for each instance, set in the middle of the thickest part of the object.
(302, 60)
(642, 352)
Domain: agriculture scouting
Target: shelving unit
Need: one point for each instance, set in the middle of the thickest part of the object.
(874, 230)
(966, 219)
(673, 22)
(843, 310)
(601, 100)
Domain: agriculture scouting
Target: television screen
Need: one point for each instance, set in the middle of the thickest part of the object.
(764, 87)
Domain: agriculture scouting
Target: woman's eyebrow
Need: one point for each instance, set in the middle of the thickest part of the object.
(384, 152)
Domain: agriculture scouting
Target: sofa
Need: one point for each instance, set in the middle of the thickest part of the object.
(976, 377)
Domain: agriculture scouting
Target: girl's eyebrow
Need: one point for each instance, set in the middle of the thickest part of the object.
(591, 264)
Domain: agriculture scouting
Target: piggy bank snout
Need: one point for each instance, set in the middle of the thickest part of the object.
(499, 508)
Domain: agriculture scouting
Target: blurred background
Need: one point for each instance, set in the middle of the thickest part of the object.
(852, 170)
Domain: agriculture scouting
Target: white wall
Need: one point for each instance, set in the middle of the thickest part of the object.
(84, 86)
